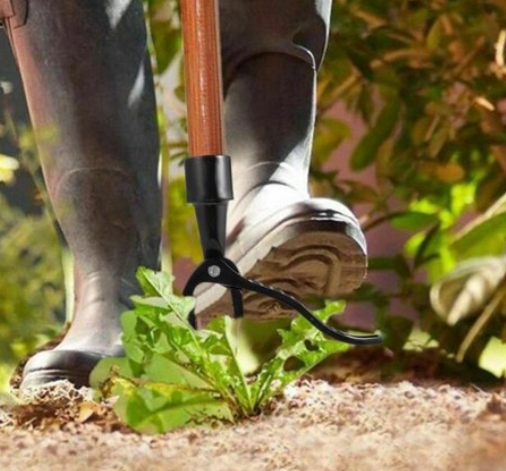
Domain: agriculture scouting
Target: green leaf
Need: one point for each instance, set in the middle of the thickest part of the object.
(368, 148)
(396, 264)
(256, 341)
(161, 369)
(227, 351)
(167, 43)
(159, 284)
(159, 408)
(428, 247)
(485, 235)
(155, 284)
(329, 135)
(8, 167)
(302, 342)
(493, 357)
(396, 331)
(413, 220)
(490, 189)
(165, 32)
(438, 140)
(434, 36)
(107, 367)
(184, 235)
(361, 61)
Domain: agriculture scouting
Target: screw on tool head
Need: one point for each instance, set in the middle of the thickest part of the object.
(214, 271)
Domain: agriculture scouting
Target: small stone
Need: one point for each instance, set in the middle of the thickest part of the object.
(192, 437)
(496, 405)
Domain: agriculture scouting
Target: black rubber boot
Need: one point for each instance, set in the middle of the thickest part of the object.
(277, 233)
(90, 94)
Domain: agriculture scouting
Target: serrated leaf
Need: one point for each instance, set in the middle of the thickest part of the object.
(159, 408)
(303, 342)
(229, 346)
(155, 284)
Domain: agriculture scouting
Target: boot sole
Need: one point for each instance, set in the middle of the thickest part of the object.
(308, 256)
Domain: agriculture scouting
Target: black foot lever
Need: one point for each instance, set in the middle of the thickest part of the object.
(223, 272)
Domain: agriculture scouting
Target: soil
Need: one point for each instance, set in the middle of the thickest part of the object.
(345, 421)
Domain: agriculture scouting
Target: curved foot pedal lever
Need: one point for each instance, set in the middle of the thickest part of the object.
(223, 272)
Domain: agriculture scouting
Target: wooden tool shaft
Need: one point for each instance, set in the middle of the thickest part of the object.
(203, 77)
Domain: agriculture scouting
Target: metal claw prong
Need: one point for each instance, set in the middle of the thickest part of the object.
(237, 302)
(192, 318)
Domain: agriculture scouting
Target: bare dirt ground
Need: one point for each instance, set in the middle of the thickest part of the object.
(327, 425)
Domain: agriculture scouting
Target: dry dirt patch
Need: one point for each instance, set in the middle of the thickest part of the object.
(316, 426)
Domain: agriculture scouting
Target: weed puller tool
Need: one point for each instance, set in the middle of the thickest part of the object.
(209, 173)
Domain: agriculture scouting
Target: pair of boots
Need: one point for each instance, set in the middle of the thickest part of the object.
(89, 89)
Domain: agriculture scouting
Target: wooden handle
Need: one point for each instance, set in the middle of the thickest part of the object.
(204, 95)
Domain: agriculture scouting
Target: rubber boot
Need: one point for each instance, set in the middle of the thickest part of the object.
(90, 94)
(277, 233)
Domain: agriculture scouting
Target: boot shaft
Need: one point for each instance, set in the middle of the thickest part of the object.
(89, 87)
(271, 52)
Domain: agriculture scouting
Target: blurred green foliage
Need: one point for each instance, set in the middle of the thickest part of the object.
(429, 85)
(31, 275)
(31, 284)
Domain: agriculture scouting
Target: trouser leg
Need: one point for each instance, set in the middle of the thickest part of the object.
(89, 89)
